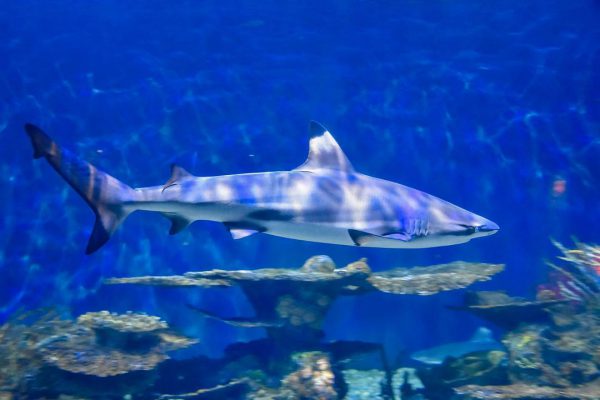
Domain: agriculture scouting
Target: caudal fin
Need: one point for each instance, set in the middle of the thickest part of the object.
(104, 194)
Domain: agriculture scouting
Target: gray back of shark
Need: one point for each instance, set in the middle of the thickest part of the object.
(323, 200)
(482, 340)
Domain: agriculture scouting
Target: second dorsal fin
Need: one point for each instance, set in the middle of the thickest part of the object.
(324, 152)
(177, 173)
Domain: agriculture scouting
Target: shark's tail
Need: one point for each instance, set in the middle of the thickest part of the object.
(106, 195)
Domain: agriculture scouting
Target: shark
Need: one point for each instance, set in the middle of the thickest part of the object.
(323, 200)
(240, 322)
(482, 340)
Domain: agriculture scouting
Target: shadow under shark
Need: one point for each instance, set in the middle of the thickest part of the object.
(323, 200)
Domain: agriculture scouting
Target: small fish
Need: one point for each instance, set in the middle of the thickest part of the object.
(240, 322)
(323, 200)
(482, 340)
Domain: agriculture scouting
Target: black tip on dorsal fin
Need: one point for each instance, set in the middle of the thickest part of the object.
(177, 173)
(316, 129)
(324, 152)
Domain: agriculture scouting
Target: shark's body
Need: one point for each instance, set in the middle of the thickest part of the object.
(323, 200)
(240, 322)
(482, 340)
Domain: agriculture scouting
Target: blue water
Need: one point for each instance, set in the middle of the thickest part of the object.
(493, 106)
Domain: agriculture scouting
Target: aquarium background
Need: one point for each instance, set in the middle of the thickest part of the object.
(493, 106)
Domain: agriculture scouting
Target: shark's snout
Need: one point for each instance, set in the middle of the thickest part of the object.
(489, 228)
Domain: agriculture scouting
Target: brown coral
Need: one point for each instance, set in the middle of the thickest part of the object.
(314, 378)
(107, 344)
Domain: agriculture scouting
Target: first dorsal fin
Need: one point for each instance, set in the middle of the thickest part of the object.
(324, 152)
(177, 173)
(482, 334)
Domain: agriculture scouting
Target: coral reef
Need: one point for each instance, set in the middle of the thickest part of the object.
(233, 389)
(314, 378)
(105, 344)
(523, 391)
(364, 384)
(553, 342)
(19, 339)
(292, 303)
(108, 355)
(128, 322)
(52, 355)
(506, 311)
(432, 279)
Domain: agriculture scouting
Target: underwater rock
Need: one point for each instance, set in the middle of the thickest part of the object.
(506, 311)
(590, 391)
(318, 264)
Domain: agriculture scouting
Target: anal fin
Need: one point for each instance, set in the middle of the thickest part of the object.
(178, 223)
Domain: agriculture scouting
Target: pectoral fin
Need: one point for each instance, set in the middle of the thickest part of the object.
(360, 238)
(398, 236)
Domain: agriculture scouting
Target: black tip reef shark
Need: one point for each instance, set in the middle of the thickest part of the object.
(323, 200)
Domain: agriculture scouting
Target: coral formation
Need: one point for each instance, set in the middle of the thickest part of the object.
(106, 344)
(295, 301)
(19, 340)
(314, 378)
(432, 279)
(128, 322)
(558, 356)
(552, 342)
(523, 391)
(75, 357)
(233, 389)
(506, 311)
(46, 355)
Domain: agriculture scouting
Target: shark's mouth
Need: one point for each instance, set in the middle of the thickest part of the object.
(468, 230)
